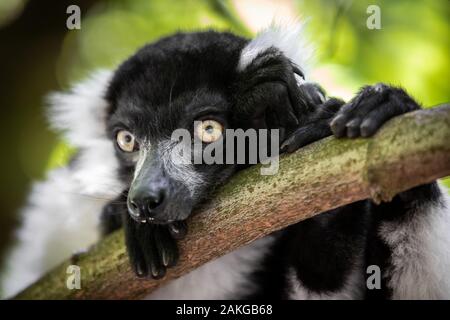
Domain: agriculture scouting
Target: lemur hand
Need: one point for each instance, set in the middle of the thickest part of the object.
(152, 248)
(370, 109)
(360, 117)
(316, 124)
(267, 95)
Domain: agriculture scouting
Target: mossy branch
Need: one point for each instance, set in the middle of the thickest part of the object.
(409, 150)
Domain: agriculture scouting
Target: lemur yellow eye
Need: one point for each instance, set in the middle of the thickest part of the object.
(126, 141)
(209, 130)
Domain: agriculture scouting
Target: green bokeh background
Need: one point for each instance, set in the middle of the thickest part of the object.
(38, 54)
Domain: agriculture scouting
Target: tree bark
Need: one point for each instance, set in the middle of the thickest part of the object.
(409, 150)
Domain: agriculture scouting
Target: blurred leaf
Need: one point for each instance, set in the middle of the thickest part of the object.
(9, 10)
(113, 31)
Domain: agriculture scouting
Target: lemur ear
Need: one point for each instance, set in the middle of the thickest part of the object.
(80, 113)
(290, 40)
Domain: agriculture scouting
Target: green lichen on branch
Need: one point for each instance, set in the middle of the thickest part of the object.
(408, 151)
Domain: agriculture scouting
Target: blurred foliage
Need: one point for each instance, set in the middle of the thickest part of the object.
(113, 30)
(9, 10)
(411, 49)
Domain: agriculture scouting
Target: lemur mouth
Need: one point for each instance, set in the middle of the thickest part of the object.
(155, 221)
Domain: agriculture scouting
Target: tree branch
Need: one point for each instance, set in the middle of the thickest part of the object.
(408, 151)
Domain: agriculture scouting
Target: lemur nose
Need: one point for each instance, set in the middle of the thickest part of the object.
(144, 206)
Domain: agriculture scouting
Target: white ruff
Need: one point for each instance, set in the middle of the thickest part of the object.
(420, 253)
(62, 214)
(289, 39)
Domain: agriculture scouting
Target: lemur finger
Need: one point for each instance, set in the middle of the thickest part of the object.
(364, 102)
(157, 270)
(338, 125)
(166, 246)
(377, 117)
(353, 129)
(306, 135)
(371, 98)
(343, 124)
(152, 255)
(139, 266)
(135, 253)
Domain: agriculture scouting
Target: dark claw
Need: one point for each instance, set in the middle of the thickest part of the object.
(165, 259)
(169, 255)
(157, 272)
(167, 246)
(140, 270)
(290, 144)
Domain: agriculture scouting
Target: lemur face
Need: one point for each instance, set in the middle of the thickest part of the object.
(203, 83)
(162, 188)
(166, 87)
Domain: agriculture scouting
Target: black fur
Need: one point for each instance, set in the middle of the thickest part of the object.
(169, 84)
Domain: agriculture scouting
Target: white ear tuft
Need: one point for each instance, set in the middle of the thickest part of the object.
(80, 113)
(289, 39)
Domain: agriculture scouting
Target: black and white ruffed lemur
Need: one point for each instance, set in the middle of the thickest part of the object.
(121, 122)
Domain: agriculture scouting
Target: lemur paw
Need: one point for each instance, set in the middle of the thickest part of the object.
(370, 109)
(267, 94)
(152, 248)
(317, 126)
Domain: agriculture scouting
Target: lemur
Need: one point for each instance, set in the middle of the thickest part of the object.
(120, 122)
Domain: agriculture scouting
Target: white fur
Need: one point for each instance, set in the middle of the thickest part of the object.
(143, 151)
(224, 278)
(289, 39)
(178, 169)
(63, 212)
(420, 253)
(80, 113)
